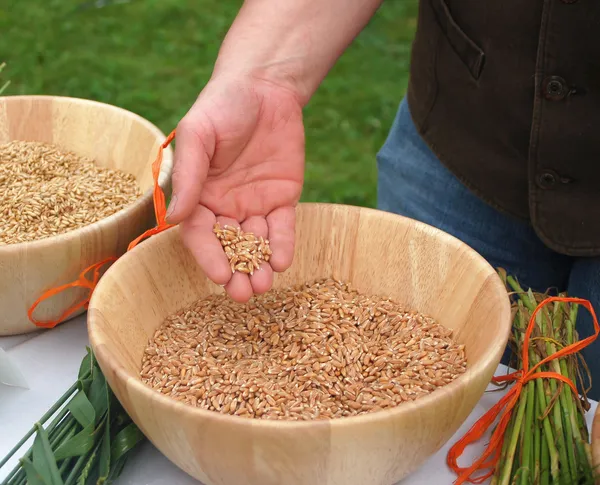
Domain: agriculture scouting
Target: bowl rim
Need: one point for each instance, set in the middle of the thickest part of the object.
(134, 385)
(122, 214)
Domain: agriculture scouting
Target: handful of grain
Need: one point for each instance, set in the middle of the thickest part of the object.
(244, 250)
(315, 351)
(45, 191)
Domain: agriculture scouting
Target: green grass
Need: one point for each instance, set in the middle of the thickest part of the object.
(154, 56)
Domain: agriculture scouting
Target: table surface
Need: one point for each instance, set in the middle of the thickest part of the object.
(49, 362)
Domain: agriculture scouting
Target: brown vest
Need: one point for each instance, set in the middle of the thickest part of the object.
(507, 94)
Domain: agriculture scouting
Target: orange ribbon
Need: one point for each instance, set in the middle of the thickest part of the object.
(160, 212)
(160, 208)
(82, 282)
(490, 457)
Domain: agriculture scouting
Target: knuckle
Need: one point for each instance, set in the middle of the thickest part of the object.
(185, 126)
(177, 176)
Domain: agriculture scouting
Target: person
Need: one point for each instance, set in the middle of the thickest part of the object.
(494, 143)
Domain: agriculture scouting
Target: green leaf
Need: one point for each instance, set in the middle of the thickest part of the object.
(43, 458)
(77, 445)
(127, 439)
(85, 369)
(104, 465)
(116, 470)
(82, 410)
(84, 384)
(98, 396)
(34, 476)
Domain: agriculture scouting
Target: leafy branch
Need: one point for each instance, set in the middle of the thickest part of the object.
(87, 443)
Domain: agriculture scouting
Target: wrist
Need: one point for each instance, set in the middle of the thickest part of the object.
(284, 75)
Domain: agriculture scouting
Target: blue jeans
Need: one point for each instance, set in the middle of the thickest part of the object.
(412, 182)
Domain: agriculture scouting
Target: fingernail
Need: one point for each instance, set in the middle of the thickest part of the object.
(171, 207)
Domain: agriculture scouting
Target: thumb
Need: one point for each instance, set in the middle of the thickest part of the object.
(194, 149)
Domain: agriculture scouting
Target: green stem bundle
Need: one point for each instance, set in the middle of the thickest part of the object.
(88, 441)
(546, 441)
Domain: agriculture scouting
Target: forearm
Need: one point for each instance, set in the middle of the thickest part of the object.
(292, 43)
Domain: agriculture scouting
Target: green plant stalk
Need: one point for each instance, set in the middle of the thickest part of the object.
(580, 431)
(544, 477)
(556, 411)
(562, 410)
(548, 433)
(582, 459)
(523, 295)
(501, 465)
(68, 431)
(544, 463)
(502, 459)
(559, 432)
(505, 477)
(527, 461)
(570, 331)
(527, 452)
(537, 440)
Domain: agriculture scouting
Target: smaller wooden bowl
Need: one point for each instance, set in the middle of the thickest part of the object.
(595, 439)
(380, 254)
(113, 137)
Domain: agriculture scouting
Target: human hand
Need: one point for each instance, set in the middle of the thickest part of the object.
(239, 160)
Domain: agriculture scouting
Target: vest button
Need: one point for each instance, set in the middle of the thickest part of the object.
(546, 180)
(555, 88)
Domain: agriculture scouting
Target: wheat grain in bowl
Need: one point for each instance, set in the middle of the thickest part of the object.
(46, 191)
(320, 350)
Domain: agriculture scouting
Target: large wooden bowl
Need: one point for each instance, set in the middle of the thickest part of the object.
(379, 253)
(114, 138)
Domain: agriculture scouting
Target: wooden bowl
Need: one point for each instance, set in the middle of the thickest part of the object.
(380, 253)
(595, 441)
(113, 137)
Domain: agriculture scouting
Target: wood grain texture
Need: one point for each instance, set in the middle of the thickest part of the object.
(114, 138)
(596, 444)
(379, 253)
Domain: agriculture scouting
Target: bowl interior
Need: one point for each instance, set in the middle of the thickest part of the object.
(379, 253)
(111, 136)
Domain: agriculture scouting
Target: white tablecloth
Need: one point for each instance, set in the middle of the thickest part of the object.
(49, 362)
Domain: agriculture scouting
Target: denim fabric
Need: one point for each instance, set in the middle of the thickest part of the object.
(413, 182)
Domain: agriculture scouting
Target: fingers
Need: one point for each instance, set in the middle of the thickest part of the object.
(239, 287)
(282, 226)
(262, 279)
(198, 237)
(194, 148)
